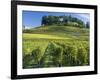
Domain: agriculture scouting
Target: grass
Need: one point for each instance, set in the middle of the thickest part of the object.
(40, 44)
(42, 36)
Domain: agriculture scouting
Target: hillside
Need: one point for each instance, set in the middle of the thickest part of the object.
(59, 31)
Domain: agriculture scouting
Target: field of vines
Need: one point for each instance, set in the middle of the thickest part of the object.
(39, 53)
(58, 48)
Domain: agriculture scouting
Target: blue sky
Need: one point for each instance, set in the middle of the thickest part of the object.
(33, 19)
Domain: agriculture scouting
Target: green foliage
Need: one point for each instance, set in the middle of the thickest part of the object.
(87, 25)
(58, 54)
(37, 54)
(52, 55)
(62, 20)
(82, 56)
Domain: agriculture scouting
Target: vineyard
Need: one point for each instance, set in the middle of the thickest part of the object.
(56, 46)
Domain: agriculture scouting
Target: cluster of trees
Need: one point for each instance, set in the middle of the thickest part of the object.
(63, 20)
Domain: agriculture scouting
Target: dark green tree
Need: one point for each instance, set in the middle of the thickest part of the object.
(87, 25)
(44, 20)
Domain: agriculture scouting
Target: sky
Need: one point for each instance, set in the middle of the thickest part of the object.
(33, 18)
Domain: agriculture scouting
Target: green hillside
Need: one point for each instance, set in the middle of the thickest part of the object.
(61, 31)
(55, 46)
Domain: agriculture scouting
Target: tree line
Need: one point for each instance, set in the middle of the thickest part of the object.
(63, 21)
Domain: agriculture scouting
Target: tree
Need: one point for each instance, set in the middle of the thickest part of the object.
(50, 20)
(44, 21)
(87, 25)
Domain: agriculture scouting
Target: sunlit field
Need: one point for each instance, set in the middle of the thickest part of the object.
(55, 46)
